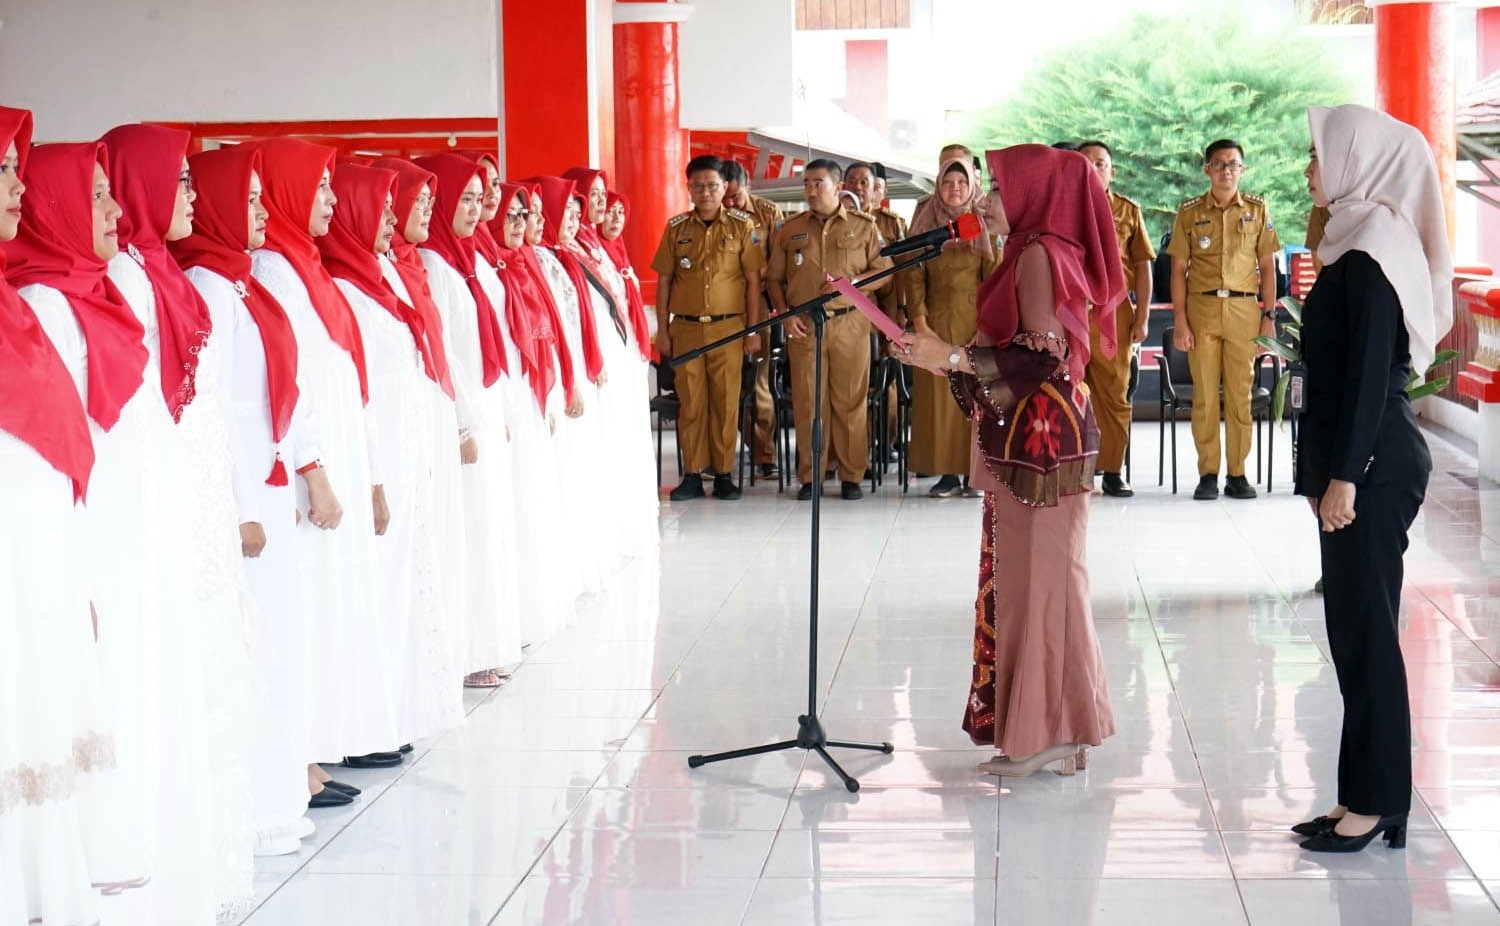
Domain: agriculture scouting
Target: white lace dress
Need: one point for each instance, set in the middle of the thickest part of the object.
(590, 497)
(493, 631)
(426, 685)
(352, 714)
(282, 685)
(55, 749)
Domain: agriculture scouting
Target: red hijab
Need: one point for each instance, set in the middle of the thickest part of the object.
(349, 253)
(615, 248)
(453, 173)
(410, 181)
(292, 170)
(220, 242)
(1050, 198)
(535, 323)
(556, 193)
(145, 162)
(56, 248)
(584, 178)
(39, 403)
(484, 239)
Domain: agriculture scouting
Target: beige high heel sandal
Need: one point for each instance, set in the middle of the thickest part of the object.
(1007, 767)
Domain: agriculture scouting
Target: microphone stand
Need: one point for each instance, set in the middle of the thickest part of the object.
(810, 733)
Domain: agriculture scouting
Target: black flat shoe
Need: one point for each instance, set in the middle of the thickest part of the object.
(1317, 826)
(405, 749)
(851, 492)
(1208, 488)
(804, 494)
(691, 487)
(1112, 484)
(328, 797)
(342, 788)
(1393, 828)
(373, 760)
(725, 489)
(767, 470)
(1238, 487)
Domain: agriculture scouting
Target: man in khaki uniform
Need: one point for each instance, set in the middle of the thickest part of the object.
(708, 270)
(825, 240)
(1223, 257)
(768, 218)
(863, 181)
(1109, 377)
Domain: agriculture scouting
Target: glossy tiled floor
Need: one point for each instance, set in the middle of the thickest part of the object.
(567, 798)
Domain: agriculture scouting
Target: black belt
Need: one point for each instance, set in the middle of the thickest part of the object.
(705, 319)
(1230, 294)
(837, 312)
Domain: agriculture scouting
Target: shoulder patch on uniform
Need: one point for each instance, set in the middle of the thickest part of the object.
(1188, 202)
(1252, 198)
(743, 216)
(1128, 201)
(863, 215)
(677, 220)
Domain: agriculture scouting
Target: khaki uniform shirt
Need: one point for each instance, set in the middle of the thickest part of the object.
(1130, 228)
(892, 227)
(768, 217)
(845, 244)
(1317, 221)
(707, 262)
(1223, 244)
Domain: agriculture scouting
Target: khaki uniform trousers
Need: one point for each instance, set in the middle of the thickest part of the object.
(708, 393)
(846, 382)
(1109, 381)
(1224, 331)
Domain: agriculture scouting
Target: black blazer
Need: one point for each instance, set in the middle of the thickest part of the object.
(1358, 424)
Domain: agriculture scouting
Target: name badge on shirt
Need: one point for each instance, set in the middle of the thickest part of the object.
(1205, 241)
(797, 259)
(686, 263)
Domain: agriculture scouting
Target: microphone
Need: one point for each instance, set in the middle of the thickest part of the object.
(966, 227)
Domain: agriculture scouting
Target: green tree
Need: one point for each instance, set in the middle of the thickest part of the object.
(1157, 90)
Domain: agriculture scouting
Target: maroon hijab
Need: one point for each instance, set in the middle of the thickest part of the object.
(1051, 199)
(145, 162)
(453, 172)
(220, 242)
(39, 403)
(55, 248)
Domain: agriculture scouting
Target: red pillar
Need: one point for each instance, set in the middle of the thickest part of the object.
(556, 90)
(650, 145)
(1414, 79)
(867, 85)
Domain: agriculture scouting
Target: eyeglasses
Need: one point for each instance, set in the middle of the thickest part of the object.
(1221, 166)
(519, 215)
(185, 182)
(705, 187)
(424, 204)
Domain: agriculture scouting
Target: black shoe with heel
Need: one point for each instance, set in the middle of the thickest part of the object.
(1317, 826)
(1393, 828)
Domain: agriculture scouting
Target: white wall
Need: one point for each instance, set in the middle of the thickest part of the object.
(736, 64)
(84, 66)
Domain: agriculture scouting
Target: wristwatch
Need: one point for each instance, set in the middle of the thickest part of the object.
(955, 358)
(1271, 316)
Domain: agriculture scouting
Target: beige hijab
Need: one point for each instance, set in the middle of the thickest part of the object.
(1385, 199)
(933, 212)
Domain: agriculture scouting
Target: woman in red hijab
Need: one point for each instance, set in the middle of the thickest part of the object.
(424, 632)
(356, 717)
(149, 178)
(486, 374)
(274, 438)
(611, 232)
(136, 520)
(626, 399)
(54, 731)
(443, 445)
(557, 545)
(1038, 693)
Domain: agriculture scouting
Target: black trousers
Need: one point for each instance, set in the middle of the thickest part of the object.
(1362, 573)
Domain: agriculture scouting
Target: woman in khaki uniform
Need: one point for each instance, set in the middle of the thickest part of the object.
(940, 300)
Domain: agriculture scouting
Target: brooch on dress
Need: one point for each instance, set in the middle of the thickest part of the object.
(240, 289)
(135, 254)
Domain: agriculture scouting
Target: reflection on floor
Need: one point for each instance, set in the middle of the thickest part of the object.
(567, 798)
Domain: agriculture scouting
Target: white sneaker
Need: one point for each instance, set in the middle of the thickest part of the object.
(276, 844)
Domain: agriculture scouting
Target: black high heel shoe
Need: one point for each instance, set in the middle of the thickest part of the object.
(1317, 826)
(1393, 828)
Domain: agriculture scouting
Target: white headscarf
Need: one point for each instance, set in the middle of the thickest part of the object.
(1385, 199)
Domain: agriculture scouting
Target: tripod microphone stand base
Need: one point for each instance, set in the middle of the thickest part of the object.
(810, 735)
